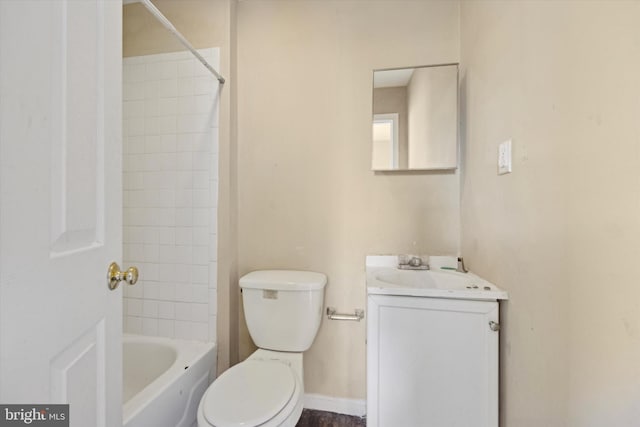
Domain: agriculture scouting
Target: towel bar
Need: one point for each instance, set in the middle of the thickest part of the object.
(332, 315)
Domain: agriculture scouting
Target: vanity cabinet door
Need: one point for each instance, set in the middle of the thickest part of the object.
(431, 362)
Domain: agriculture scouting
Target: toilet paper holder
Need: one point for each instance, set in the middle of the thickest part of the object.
(332, 314)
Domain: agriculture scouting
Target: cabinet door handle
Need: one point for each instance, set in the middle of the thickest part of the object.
(494, 326)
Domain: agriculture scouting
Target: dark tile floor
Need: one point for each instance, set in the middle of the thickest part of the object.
(313, 418)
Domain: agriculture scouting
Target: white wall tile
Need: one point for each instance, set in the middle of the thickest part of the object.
(200, 274)
(133, 73)
(134, 325)
(167, 125)
(151, 107)
(186, 142)
(201, 236)
(184, 292)
(167, 235)
(184, 198)
(205, 141)
(183, 311)
(149, 326)
(167, 89)
(166, 70)
(133, 108)
(167, 106)
(134, 307)
(187, 104)
(203, 104)
(133, 60)
(135, 291)
(166, 328)
(151, 89)
(201, 217)
(168, 143)
(184, 217)
(185, 87)
(151, 271)
(170, 172)
(200, 294)
(166, 310)
(201, 199)
(183, 254)
(201, 162)
(150, 291)
(133, 91)
(150, 308)
(199, 331)
(199, 312)
(167, 291)
(136, 144)
(183, 330)
(201, 179)
(203, 85)
(184, 236)
(184, 180)
(135, 126)
(184, 161)
(200, 255)
(186, 68)
(167, 273)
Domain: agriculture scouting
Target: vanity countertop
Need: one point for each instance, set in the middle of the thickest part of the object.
(384, 278)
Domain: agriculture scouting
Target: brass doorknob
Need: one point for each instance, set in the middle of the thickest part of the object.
(115, 276)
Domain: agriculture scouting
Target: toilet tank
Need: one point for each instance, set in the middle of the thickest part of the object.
(283, 308)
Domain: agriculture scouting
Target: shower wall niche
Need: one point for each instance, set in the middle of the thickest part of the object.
(170, 180)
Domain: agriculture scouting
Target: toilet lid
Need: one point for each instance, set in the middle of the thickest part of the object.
(249, 394)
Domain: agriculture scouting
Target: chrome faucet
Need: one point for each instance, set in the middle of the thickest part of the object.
(461, 268)
(414, 263)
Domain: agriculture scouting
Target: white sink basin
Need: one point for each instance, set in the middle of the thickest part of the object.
(431, 283)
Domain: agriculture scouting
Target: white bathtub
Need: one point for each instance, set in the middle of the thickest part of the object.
(164, 380)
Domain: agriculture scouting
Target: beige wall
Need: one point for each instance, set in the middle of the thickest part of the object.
(394, 100)
(307, 196)
(205, 23)
(202, 22)
(561, 233)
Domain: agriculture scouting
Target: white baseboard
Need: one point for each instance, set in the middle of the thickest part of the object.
(357, 407)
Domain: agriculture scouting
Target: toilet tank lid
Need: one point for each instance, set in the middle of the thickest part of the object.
(283, 280)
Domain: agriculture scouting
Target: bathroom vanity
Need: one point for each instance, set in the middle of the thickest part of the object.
(432, 347)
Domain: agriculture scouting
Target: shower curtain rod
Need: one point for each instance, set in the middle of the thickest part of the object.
(169, 26)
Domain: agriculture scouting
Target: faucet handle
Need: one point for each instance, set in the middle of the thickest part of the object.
(410, 262)
(415, 261)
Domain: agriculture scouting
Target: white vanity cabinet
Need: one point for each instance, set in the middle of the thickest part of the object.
(431, 362)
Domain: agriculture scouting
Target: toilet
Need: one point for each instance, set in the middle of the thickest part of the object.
(283, 310)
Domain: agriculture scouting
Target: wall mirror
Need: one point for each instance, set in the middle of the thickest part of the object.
(415, 118)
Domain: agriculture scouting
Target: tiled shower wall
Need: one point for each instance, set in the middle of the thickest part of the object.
(170, 130)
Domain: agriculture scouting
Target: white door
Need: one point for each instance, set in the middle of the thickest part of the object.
(60, 206)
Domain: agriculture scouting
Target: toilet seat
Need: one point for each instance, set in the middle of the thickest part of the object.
(251, 394)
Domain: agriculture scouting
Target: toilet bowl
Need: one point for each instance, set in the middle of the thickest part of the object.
(283, 310)
(265, 390)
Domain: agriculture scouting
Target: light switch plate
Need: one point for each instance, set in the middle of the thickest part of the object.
(504, 158)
